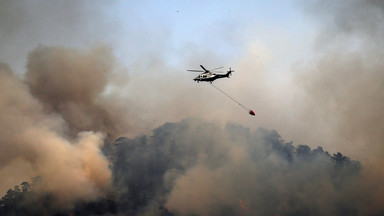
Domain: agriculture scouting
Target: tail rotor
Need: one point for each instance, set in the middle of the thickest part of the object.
(229, 73)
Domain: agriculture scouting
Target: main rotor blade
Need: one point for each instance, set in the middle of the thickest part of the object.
(217, 68)
(196, 71)
(204, 68)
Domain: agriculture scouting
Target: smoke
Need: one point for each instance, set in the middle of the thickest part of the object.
(24, 25)
(197, 168)
(56, 118)
(344, 82)
(71, 82)
(54, 122)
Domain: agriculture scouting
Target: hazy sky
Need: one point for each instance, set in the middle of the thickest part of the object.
(76, 75)
(168, 28)
(277, 49)
(260, 40)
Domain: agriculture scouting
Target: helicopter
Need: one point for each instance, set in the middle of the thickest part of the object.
(208, 76)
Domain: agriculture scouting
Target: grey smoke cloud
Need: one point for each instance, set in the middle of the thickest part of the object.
(63, 94)
(44, 130)
(70, 83)
(56, 121)
(194, 167)
(25, 24)
(343, 83)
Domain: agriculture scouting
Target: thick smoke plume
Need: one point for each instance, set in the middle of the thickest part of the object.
(71, 82)
(55, 122)
(198, 168)
(55, 119)
(344, 82)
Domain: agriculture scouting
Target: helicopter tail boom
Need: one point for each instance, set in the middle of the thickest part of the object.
(229, 72)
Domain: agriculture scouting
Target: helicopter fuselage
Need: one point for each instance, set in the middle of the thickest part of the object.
(209, 77)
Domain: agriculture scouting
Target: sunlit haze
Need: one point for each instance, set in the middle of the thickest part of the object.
(99, 90)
